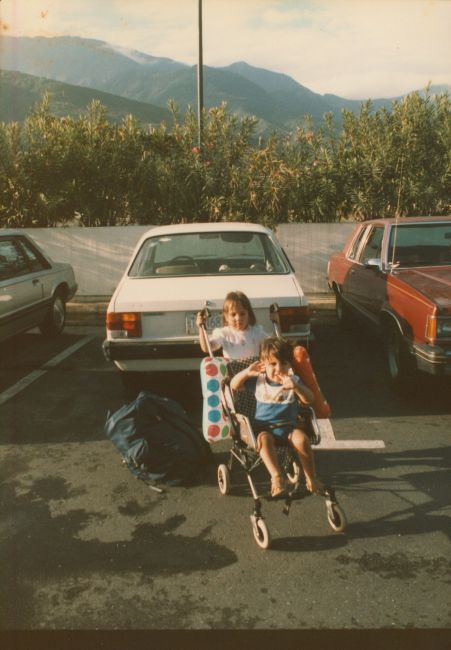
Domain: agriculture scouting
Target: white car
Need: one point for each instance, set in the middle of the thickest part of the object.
(177, 270)
(33, 288)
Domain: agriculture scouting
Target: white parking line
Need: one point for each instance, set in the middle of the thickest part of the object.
(29, 379)
(328, 440)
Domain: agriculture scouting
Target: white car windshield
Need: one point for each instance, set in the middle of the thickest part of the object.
(208, 253)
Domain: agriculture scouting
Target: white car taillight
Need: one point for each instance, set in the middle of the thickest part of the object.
(291, 318)
(127, 324)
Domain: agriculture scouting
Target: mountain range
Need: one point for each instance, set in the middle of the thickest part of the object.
(75, 70)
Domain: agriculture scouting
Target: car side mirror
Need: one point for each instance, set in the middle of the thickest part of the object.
(374, 263)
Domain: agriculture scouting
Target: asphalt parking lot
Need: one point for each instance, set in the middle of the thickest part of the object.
(86, 546)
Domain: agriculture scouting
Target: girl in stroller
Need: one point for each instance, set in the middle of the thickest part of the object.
(279, 394)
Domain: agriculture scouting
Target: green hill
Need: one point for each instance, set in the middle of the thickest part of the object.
(19, 92)
(127, 81)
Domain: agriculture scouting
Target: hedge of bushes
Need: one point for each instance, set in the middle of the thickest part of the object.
(55, 171)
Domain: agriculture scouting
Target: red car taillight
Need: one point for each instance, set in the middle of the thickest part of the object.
(129, 322)
(292, 317)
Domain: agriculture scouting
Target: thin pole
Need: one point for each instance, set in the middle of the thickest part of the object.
(200, 82)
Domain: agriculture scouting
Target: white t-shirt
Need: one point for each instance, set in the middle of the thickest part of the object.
(237, 344)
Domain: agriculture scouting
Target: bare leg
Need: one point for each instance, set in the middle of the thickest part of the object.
(301, 443)
(267, 450)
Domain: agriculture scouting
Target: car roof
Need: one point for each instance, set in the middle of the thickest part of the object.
(403, 220)
(12, 231)
(219, 226)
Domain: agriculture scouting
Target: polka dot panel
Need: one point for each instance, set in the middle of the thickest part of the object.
(215, 424)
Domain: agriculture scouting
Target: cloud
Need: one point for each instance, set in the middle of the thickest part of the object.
(350, 48)
(353, 48)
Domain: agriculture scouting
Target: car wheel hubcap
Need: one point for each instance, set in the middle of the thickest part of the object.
(393, 354)
(58, 312)
(339, 310)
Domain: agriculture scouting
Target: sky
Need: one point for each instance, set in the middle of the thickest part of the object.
(356, 49)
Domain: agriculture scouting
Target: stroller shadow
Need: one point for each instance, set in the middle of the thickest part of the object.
(397, 511)
(426, 473)
(309, 544)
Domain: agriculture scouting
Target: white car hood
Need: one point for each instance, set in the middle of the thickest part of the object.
(190, 293)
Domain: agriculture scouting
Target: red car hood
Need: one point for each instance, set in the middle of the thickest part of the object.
(433, 281)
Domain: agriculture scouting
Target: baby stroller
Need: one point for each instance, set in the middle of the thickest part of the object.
(231, 416)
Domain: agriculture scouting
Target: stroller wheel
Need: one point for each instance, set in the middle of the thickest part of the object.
(290, 465)
(223, 479)
(261, 532)
(336, 517)
(293, 472)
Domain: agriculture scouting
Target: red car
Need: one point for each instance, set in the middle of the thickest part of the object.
(396, 275)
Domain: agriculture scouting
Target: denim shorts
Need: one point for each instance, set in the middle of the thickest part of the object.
(281, 432)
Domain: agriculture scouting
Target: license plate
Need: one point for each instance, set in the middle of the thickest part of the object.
(212, 322)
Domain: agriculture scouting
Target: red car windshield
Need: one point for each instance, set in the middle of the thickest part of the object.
(422, 244)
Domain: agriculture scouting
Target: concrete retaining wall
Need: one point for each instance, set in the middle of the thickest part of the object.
(309, 247)
(99, 255)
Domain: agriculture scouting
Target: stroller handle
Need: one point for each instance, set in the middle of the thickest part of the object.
(206, 313)
(274, 316)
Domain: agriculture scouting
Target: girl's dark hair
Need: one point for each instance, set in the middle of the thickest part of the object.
(238, 297)
(280, 349)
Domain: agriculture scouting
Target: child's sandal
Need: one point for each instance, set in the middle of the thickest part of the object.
(278, 487)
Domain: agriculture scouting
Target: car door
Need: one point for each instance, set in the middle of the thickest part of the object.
(368, 283)
(39, 266)
(350, 263)
(20, 289)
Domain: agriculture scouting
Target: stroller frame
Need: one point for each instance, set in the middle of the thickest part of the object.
(243, 452)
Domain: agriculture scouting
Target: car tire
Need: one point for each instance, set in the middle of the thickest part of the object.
(54, 321)
(401, 367)
(342, 311)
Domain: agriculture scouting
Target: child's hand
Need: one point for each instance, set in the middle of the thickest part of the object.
(201, 318)
(255, 369)
(287, 382)
(240, 379)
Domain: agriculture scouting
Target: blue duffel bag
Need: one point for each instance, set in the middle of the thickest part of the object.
(158, 441)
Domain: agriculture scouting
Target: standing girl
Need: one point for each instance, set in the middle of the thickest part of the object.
(240, 336)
